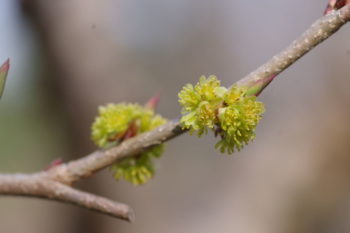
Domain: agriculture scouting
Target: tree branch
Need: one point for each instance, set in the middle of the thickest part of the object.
(39, 186)
(319, 31)
(322, 29)
(55, 183)
(81, 168)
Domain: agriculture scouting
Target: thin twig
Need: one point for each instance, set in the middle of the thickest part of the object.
(98, 160)
(55, 183)
(319, 31)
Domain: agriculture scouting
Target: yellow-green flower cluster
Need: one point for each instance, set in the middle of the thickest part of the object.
(117, 122)
(230, 113)
(138, 171)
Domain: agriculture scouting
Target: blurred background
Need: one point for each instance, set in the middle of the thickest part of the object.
(69, 56)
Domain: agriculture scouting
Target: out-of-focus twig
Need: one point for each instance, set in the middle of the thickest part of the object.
(3, 74)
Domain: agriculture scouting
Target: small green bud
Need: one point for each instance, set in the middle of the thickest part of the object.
(230, 113)
(117, 122)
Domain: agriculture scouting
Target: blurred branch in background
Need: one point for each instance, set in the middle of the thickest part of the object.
(54, 183)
